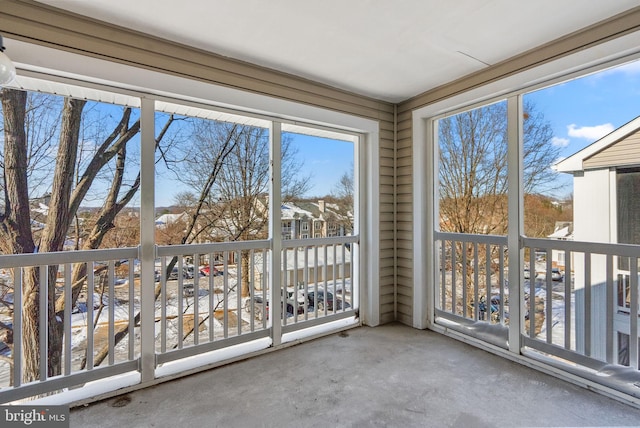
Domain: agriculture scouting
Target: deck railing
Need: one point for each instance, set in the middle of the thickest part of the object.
(206, 297)
(579, 301)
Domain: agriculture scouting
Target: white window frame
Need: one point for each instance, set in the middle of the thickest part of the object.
(66, 67)
(425, 174)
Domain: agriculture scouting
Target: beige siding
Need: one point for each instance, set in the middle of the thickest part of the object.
(623, 153)
(404, 221)
(387, 228)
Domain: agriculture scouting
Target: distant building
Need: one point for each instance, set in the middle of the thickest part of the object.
(168, 219)
(563, 231)
(305, 219)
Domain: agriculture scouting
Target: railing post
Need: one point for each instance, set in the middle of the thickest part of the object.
(275, 225)
(147, 240)
(516, 220)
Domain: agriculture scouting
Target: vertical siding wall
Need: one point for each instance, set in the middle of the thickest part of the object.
(52, 27)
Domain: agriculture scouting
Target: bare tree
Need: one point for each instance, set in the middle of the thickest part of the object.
(473, 174)
(343, 193)
(66, 195)
(235, 201)
(473, 166)
(16, 225)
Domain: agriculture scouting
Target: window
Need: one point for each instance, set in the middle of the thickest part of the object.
(305, 225)
(113, 196)
(191, 174)
(473, 170)
(624, 291)
(317, 225)
(628, 205)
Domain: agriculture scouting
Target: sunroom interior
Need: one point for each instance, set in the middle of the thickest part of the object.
(381, 78)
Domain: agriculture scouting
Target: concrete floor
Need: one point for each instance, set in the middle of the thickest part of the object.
(389, 376)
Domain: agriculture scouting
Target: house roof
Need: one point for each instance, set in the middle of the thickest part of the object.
(390, 51)
(576, 161)
(170, 218)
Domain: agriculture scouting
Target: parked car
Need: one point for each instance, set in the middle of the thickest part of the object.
(186, 273)
(320, 302)
(188, 290)
(206, 270)
(296, 298)
(261, 307)
(556, 275)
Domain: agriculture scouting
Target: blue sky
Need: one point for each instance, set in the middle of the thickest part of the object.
(580, 112)
(586, 109)
(324, 160)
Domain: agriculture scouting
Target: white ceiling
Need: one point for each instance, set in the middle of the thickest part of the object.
(390, 50)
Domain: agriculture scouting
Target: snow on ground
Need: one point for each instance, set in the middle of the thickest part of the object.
(79, 320)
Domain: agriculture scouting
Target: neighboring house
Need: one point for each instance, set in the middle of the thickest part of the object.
(299, 219)
(606, 186)
(563, 231)
(304, 219)
(165, 220)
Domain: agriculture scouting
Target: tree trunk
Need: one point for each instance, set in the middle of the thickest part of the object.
(16, 224)
(246, 275)
(16, 220)
(31, 326)
(59, 221)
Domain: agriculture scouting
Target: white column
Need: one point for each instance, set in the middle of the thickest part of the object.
(516, 219)
(275, 230)
(425, 219)
(147, 239)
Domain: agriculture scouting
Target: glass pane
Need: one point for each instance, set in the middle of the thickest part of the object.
(317, 185)
(473, 171)
(582, 185)
(70, 181)
(82, 163)
(318, 193)
(561, 121)
(212, 180)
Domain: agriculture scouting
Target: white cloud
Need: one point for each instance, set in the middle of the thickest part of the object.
(560, 142)
(589, 132)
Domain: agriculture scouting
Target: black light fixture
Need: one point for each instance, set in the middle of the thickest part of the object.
(7, 69)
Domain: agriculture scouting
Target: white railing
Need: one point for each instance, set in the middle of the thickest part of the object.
(207, 297)
(89, 329)
(597, 278)
(583, 311)
(471, 288)
(321, 278)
